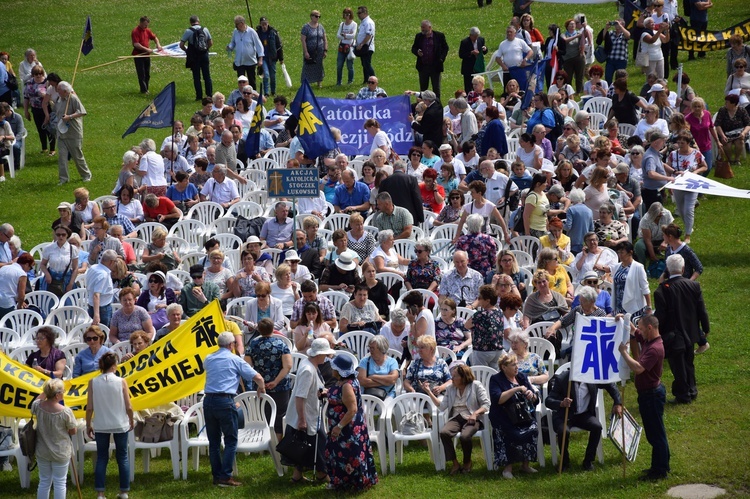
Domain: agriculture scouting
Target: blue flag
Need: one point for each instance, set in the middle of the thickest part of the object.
(312, 129)
(158, 114)
(252, 141)
(533, 80)
(88, 38)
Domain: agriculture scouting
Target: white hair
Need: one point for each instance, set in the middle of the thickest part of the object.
(474, 31)
(148, 145)
(474, 223)
(398, 316)
(64, 86)
(384, 235)
(225, 339)
(129, 157)
(577, 196)
(588, 294)
(675, 264)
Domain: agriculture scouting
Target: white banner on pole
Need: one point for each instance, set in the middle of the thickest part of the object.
(596, 358)
(691, 182)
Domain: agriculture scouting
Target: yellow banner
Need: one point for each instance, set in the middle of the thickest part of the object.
(166, 371)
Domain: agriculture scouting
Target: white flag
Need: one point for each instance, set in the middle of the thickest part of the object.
(596, 358)
(691, 182)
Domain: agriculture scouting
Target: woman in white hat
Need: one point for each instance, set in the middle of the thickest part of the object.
(303, 411)
(603, 300)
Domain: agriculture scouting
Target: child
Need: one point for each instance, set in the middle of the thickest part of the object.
(520, 176)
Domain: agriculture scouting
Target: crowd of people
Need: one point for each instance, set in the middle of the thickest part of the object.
(584, 187)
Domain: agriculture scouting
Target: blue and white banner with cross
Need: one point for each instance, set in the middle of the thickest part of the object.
(596, 358)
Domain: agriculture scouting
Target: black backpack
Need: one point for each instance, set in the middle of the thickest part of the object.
(200, 40)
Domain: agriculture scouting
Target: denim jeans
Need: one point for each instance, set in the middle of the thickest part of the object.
(269, 75)
(52, 473)
(612, 66)
(709, 157)
(221, 419)
(102, 458)
(340, 60)
(651, 406)
(105, 314)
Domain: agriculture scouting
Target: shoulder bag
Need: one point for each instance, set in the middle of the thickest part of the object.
(27, 441)
(722, 167)
(412, 423)
(57, 286)
(375, 391)
(641, 58)
(518, 410)
(297, 448)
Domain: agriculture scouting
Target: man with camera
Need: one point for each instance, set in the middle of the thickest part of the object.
(615, 39)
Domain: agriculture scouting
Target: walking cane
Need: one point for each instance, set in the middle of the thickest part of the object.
(317, 440)
(75, 476)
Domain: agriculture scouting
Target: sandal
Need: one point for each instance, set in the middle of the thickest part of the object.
(456, 469)
(467, 467)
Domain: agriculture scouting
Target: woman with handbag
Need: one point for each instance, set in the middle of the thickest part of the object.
(314, 50)
(346, 35)
(348, 453)
(55, 424)
(182, 193)
(465, 400)
(109, 415)
(514, 429)
(159, 251)
(59, 263)
(428, 371)
(377, 373)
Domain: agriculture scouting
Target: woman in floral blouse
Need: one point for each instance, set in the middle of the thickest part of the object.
(33, 95)
(451, 212)
(451, 331)
(487, 326)
(423, 272)
(481, 248)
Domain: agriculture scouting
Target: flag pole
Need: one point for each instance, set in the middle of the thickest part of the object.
(622, 425)
(119, 59)
(75, 70)
(565, 428)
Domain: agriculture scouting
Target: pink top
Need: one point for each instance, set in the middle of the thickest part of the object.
(701, 130)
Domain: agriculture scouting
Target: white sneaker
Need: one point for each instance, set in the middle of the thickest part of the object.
(2, 179)
(6, 465)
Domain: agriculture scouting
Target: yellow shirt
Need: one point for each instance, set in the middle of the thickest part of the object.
(562, 244)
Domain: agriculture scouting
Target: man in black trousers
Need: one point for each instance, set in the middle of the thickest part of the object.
(431, 50)
(471, 52)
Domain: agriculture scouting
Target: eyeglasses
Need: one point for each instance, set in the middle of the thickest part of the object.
(416, 154)
(247, 93)
(635, 154)
(111, 207)
(196, 277)
(314, 15)
(61, 234)
(98, 228)
(154, 281)
(261, 296)
(418, 251)
(592, 282)
(647, 112)
(89, 339)
(454, 198)
(372, 82)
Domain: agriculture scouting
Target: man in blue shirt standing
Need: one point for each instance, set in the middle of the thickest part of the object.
(224, 370)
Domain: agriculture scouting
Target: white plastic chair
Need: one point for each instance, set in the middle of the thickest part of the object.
(626, 129)
(372, 407)
(228, 242)
(237, 306)
(278, 155)
(600, 105)
(395, 411)
(258, 177)
(20, 354)
(336, 221)
(275, 255)
(427, 295)
(205, 211)
(247, 209)
(513, 144)
(191, 259)
(192, 231)
(21, 321)
(224, 225)
(597, 121)
(523, 258)
(71, 350)
(443, 248)
(10, 160)
(446, 354)
(445, 231)
(537, 330)
(405, 248)
(257, 436)
(121, 348)
(174, 451)
(390, 279)
(358, 342)
(67, 318)
(338, 298)
(193, 415)
(29, 339)
(22, 462)
(528, 244)
(77, 297)
(145, 230)
(9, 340)
(44, 300)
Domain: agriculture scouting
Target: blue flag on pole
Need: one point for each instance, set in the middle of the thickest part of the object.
(158, 114)
(533, 78)
(88, 38)
(252, 141)
(312, 130)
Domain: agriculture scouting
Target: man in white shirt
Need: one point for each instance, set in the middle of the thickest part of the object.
(469, 156)
(248, 50)
(219, 188)
(366, 42)
(496, 183)
(100, 289)
(446, 156)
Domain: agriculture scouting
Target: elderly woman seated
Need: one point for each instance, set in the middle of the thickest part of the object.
(514, 430)
(48, 360)
(377, 373)
(174, 318)
(360, 314)
(587, 297)
(544, 304)
(559, 278)
(465, 400)
(428, 372)
(530, 364)
(384, 257)
(592, 257)
(396, 331)
(159, 251)
(423, 272)
(480, 247)
(609, 230)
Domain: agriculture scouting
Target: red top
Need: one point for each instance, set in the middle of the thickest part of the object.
(165, 208)
(142, 36)
(652, 360)
(428, 197)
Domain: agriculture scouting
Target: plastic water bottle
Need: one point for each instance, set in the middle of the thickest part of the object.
(35, 364)
(310, 332)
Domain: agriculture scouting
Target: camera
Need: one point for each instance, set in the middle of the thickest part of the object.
(612, 23)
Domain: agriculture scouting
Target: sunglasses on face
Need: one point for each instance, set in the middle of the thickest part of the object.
(89, 339)
(418, 251)
(261, 296)
(154, 281)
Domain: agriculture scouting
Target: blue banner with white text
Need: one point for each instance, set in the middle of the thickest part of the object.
(349, 116)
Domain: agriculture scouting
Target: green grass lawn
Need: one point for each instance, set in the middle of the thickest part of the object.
(708, 439)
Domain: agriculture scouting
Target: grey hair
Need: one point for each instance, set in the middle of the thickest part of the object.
(384, 196)
(577, 196)
(474, 31)
(225, 339)
(399, 165)
(6, 228)
(538, 128)
(588, 294)
(461, 104)
(109, 255)
(425, 243)
(654, 210)
(115, 228)
(147, 145)
(398, 317)
(428, 95)
(519, 335)
(129, 157)
(174, 306)
(380, 342)
(637, 149)
(65, 87)
(344, 156)
(15, 241)
(675, 264)
(474, 223)
(29, 51)
(581, 115)
(645, 22)
(172, 147)
(227, 133)
(556, 190)
(218, 167)
(384, 235)
(218, 121)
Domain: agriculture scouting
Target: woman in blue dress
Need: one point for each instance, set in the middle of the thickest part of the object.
(348, 454)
